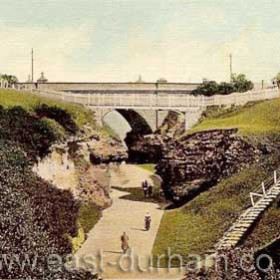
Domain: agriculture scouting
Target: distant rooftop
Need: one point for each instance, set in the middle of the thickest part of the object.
(42, 79)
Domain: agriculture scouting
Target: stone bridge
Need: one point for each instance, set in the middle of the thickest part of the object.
(143, 105)
(140, 117)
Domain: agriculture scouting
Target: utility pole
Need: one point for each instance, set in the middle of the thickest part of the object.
(230, 66)
(32, 65)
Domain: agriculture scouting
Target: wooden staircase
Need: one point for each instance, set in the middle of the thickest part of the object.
(266, 194)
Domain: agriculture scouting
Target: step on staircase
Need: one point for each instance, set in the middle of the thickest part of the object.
(269, 192)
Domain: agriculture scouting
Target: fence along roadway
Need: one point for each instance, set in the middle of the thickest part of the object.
(179, 102)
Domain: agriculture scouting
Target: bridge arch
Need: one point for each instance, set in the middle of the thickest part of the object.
(137, 122)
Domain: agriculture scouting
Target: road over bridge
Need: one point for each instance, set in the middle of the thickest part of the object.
(113, 88)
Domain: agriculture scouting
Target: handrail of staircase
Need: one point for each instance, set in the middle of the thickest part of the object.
(266, 184)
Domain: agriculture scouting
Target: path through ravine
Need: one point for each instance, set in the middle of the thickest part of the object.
(103, 242)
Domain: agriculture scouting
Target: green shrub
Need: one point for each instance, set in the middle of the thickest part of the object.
(56, 128)
(89, 214)
(59, 115)
(35, 218)
(33, 135)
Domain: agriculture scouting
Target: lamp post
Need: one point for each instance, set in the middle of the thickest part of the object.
(230, 66)
(32, 66)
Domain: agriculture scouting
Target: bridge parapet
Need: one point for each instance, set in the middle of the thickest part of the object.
(180, 102)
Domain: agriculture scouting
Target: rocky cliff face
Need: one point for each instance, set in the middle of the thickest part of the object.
(149, 148)
(145, 148)
(192, 163)
(70, 166)
(197, 161)
(105, 150)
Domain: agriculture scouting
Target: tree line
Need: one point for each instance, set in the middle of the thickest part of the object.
(238, 83)
(11, 79)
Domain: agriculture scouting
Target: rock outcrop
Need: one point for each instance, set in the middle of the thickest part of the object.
(192, 163)
(145, 148)
(149, 147)
(71, 166)
(105, 151)
(195, 162)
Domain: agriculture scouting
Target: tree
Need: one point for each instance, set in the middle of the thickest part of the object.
(241, 84)
(11, 79)
(277, 79)
(226, 88)
(208, 88)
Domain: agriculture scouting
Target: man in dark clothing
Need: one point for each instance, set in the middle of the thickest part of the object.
(145, 188)
(150, 191)
(124, 243)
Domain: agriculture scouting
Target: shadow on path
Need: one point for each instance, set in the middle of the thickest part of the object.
(141, 229)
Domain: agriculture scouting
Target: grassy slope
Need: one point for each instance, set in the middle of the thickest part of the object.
(266, 229)
(29, 101)
(89, 214)
(197, 226)
(260, 119)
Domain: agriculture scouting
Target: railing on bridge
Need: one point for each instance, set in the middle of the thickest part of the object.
(159, 101)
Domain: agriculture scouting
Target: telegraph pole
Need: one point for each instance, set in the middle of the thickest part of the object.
(32, 65)
(230, 66)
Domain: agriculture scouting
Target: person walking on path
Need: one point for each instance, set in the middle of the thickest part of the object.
(145, 188)
(150, 190)
(147, 221)
(124, 242)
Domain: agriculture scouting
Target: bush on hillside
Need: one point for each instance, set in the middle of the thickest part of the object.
(35, 217)
(59, 115)
(27, 131)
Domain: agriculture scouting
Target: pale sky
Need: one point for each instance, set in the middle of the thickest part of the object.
(106, 40)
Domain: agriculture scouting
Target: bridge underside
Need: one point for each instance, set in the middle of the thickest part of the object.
(140, 121)
(146, 121)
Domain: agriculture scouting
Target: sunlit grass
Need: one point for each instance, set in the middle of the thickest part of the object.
(196, 227)
(148, 166)
(258, 119)
(29, 101)
(89, 214)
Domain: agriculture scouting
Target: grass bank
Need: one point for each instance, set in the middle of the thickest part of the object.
(29, 102)
(266, 229)
(197, 226)
(89, 215)
(260, 118)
